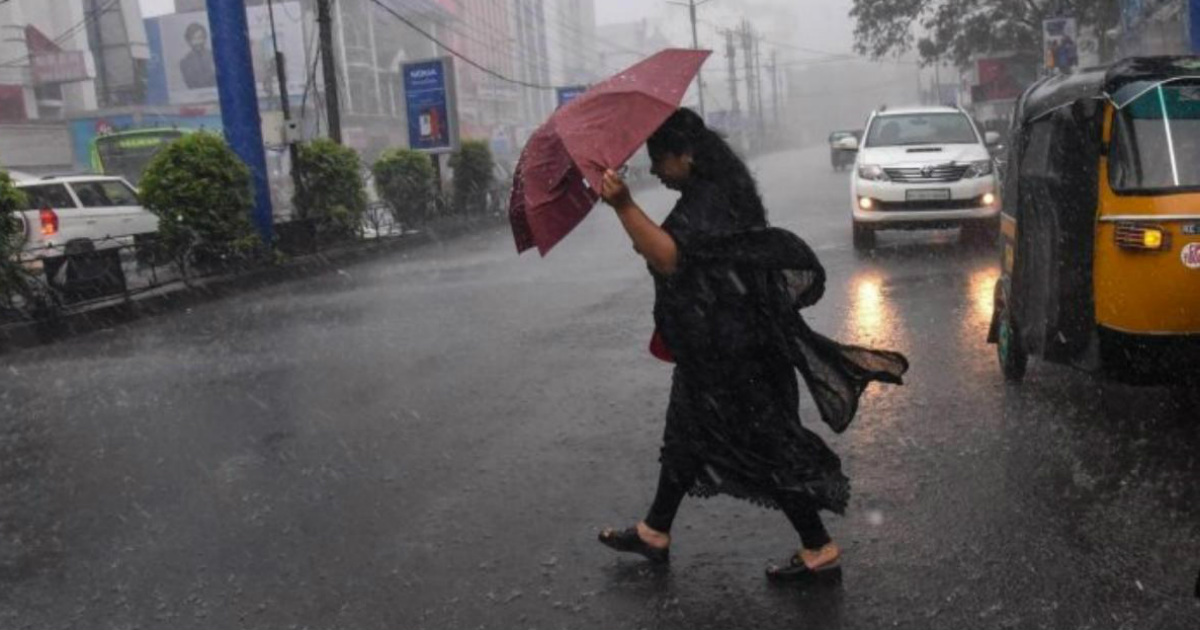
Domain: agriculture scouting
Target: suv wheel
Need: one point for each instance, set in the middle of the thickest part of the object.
(864, 237)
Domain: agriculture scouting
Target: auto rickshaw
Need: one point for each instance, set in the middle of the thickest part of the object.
(1101, 224)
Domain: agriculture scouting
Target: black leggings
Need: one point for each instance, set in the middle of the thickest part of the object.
(673, 485)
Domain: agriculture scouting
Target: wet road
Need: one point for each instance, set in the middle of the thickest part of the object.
(431, 440)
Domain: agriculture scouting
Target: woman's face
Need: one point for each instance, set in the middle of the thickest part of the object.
(673, 170)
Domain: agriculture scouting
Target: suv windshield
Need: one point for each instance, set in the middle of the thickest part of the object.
(1156, 144)
(911, 129)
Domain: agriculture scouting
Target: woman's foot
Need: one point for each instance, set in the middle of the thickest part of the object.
(810, 565)
(654, 545)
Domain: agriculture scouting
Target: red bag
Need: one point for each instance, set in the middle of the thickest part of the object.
(659, 348)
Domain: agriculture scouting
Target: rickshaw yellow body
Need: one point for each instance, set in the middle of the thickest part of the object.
(1145, 292)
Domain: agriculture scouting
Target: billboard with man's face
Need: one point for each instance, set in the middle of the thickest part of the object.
(187, 61)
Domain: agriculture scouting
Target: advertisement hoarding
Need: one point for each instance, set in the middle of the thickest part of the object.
(181, 50)
(1002, 79)
(58, 67)
(1193, 25)
(431, 104)
(1060, 38)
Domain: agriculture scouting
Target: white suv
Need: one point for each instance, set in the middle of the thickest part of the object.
(924, 168)
(74, 229)
(95, 211)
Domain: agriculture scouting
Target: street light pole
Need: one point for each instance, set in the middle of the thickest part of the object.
(691, 5)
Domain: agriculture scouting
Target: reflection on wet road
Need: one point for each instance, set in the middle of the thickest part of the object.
(431, 440)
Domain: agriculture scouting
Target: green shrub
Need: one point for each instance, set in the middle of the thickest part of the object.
(474, 171)
(12, 230)
(203, 196)
(12, 233)
(331, 186)
(405, 180)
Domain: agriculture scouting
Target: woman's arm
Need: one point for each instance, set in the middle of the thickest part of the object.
(649, 240)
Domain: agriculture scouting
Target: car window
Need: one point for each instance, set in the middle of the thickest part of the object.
(47, 196)
(104, 194)
(913, 129)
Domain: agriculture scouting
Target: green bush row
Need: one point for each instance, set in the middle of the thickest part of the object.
(203, 194)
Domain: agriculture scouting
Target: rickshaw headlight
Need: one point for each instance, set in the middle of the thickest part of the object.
(1142, 237)
(981, 168)
(873, 172)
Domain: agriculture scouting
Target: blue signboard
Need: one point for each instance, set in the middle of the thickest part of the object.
(430, 100)
(1194, 25)
(568, 94)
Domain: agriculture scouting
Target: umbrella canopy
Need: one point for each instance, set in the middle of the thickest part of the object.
(562, 166)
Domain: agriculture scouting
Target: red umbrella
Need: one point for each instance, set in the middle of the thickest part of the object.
(562, 166)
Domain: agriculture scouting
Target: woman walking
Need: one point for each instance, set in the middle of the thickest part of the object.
(728, 289)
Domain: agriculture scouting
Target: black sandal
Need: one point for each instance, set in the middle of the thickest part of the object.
(629, 541)
(797, 571)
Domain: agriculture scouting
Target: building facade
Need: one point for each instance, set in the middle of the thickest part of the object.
(68, 56)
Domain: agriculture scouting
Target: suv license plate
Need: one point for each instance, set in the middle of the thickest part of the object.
(926, 194)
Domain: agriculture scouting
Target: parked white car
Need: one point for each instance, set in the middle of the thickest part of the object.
(89, 212)
(74, 229)
(923, 168)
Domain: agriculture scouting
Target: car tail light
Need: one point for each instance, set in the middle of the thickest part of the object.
(1143, 237)
(49, 222)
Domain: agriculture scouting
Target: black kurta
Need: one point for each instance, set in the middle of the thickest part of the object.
(730, 317)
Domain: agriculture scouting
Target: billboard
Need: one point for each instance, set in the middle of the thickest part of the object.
(182, 53)
(431, 104)
(1060, 38)
(567, 94)
(1193, 25)
(1002, 78)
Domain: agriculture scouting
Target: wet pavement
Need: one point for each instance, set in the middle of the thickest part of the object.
(433, 439)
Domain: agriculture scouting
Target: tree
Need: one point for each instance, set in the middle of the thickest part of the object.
(203, 196)
(405, 180)
(958, 30)
(474, 172)
(331, 186)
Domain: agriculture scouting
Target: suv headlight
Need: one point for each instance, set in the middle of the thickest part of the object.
(873, 172)
(981, 168)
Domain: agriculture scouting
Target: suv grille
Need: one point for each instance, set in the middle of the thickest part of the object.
(928, 174)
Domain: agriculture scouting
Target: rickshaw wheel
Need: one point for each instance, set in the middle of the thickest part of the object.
(1012, 355)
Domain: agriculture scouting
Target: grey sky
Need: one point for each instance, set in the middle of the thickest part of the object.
(816, 24)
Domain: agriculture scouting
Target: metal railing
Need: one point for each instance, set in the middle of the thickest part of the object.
(45, 283)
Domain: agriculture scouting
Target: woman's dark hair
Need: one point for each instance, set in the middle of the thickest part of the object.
(712, 160)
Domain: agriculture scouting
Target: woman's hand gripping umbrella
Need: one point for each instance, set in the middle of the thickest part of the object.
(561, 170)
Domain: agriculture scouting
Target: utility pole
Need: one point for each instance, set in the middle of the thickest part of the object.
(758, 88)
(238, 94)
(731, 57)
(97, 20)
(285, 105)
(748, 52)
(691, 5)
(937, 79)
(775, 85)
(332, 105)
